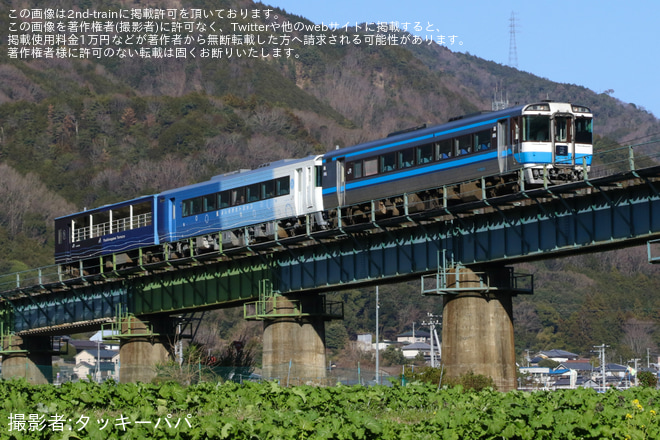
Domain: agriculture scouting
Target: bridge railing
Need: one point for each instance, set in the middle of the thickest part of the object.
(31, 277)
(458, 279)
(628, 158)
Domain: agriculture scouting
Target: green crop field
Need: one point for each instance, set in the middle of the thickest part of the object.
(86, 410)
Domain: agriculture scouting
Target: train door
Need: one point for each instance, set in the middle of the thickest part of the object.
(309, 188)
(298, 191)
(503, 153)
(62, 240)
(341, 182)
(166, 219)
(515, 138)
(563, 145)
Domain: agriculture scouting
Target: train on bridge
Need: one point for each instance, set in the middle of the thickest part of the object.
(538, 143)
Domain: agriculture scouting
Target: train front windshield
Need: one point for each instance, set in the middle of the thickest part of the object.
(583, 131)
(536, 128)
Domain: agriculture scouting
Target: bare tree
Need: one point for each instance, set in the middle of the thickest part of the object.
(26, 194)
(638, 335)
(268, 120)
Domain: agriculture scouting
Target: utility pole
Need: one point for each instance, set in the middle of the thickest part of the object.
(636, 372)
(377, 341)
(432, 322)
(601, 351)
(98, 360)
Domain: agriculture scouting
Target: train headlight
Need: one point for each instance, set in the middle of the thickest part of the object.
(538, 107)
(580, 109)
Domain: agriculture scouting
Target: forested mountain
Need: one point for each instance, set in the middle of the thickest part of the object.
(78, 133)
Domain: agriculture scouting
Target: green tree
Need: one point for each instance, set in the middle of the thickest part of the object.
(336, 336)
(393, 356)
(548, 363)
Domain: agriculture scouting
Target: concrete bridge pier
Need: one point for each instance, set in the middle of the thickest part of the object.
(477, 328)
(294, 336)
(29, 357)
(143, 345)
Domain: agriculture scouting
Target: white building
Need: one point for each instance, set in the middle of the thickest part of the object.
(411, 337)
(99, 364)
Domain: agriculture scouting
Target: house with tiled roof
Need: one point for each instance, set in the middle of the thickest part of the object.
(582, 366)
(410, 337)
(410, 351)
(568, 382)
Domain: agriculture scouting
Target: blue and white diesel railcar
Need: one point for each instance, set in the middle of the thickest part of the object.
(280, 191)
(551, 135)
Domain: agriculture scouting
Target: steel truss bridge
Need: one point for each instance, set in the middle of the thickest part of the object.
(614, 206)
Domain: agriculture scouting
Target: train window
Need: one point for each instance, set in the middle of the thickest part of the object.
(371, 166)
(101, 223)
(425, 154)
(121, 219)
(562, 129)
(197, 205)
(268, 189)
(142, 215)
(282, 186)
(210, 202)
(583, 131)
(351, 170)
(253, 193)
(464, 144)
(223, 199)
(444, 149)
(515, 130)
(536, 128)
(238, 196)
(318, 174)
(407, 158)
(388, 162)
(357, 169)
(482, 140)
(81, 228)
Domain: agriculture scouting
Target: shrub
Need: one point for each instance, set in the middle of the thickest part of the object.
(647, 379)
(470, 382)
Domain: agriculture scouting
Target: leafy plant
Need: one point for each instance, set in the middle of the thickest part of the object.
(267, 410)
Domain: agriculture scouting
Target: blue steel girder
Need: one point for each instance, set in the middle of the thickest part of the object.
(57, 308)
(545, 224)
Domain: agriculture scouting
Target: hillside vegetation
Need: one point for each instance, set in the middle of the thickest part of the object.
(82, 133)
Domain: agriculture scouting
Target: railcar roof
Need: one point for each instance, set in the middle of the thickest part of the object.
(240, 174)
(109, 206)
(424, 132)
